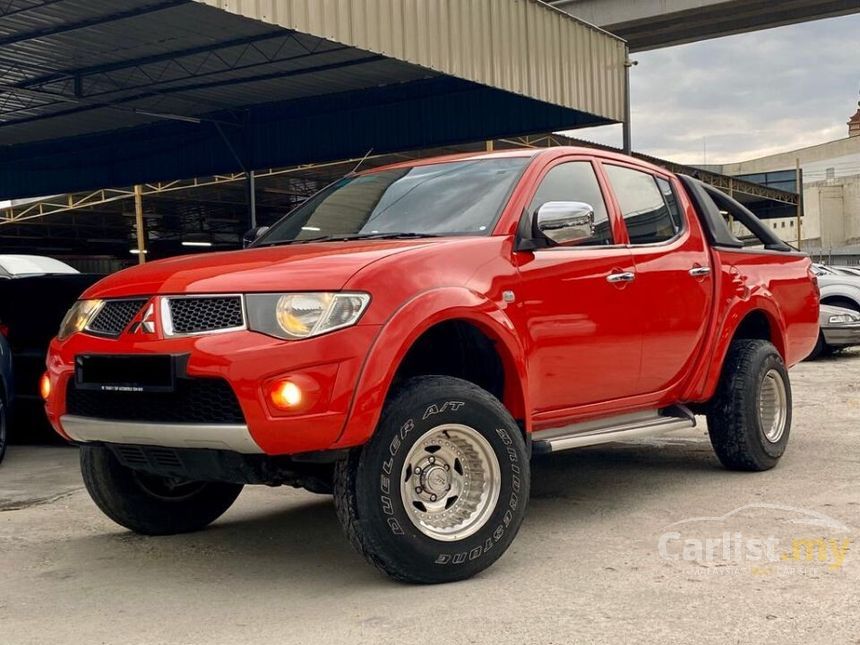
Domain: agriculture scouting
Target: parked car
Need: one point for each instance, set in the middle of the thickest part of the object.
(847, 270)
(408, 336)
(838, 289)
(35, 293)
(840, 328)
(5, 391)
(18, 266)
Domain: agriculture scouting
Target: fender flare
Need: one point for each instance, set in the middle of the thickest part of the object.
(404, 327)
(735, 316)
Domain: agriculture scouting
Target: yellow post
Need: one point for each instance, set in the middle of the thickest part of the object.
(138, 219)
(489, 145)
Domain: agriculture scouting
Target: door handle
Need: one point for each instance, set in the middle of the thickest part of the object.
(700, 272)
(625, 276)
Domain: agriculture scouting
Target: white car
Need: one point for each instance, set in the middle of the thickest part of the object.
(839, 328)
(16, 266)
(838, 289)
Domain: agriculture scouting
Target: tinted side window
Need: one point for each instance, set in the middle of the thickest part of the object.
(647, 215)
(575, 181)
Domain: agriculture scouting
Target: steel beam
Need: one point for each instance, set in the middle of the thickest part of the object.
(6, 9)
(96, 21)
(651, 24)
(91, 103)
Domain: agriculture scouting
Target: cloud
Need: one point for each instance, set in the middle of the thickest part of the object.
(744, 96)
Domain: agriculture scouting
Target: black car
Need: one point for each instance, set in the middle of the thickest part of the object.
(5, 390)
(35, 293)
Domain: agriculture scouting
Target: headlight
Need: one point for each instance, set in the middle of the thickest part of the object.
(839, 319)
(78, 317)
(301, 315)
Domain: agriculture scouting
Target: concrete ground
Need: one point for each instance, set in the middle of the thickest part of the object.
(630, 543)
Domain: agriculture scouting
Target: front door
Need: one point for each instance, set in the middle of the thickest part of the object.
(575, 311)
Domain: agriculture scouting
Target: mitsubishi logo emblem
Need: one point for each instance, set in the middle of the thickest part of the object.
(146, 323)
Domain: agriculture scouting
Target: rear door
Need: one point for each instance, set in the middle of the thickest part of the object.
(672, 293)
(575, 313)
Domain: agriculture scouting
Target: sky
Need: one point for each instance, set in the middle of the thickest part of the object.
(746, 96)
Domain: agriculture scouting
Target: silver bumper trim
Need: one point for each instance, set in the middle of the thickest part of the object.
(234, 437)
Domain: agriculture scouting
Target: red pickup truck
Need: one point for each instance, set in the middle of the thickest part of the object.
(410, 335)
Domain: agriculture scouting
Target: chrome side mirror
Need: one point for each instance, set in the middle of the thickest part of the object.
(564, 222)
(252, 234)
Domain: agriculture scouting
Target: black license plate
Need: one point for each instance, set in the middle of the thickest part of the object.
(112, 373)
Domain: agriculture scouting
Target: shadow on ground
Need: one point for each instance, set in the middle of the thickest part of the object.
(298, 534)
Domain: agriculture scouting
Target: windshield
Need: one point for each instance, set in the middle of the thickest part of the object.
(453, 198)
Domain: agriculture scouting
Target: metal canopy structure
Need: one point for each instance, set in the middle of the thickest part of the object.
(98, 93)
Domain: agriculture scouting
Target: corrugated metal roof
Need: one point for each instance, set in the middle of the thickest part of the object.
(104, 92)
(522, 46)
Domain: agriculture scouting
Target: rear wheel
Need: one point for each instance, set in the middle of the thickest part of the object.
(150, 504)
(749, 419)
(439, 492)
(820, 349)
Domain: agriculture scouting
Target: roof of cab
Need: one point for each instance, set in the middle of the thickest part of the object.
(553, 152)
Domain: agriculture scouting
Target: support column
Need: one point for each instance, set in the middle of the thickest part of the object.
(627, 144)
(799, 179)
(252, 198)
(138, 221)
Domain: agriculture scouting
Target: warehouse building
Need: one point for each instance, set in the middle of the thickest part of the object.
(830, 172)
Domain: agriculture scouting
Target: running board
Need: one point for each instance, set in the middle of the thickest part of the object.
(619, 428)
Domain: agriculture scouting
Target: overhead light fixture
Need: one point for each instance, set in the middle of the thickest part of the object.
(137, 251)
(200, 238)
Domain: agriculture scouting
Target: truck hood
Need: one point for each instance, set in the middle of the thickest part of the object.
(300, 267)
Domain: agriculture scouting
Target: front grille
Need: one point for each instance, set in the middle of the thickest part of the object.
(195, 400)
(115, 316)
(209, 313)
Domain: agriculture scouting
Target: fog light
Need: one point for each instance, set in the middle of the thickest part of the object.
(45, 386)
(286, 395)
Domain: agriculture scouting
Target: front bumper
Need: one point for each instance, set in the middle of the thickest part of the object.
(246, 361)
(842, 335)
(212, 436)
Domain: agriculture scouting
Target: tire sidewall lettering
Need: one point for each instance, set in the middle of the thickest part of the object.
(390, 504)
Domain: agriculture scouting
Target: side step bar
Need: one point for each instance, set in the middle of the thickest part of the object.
(620, 428)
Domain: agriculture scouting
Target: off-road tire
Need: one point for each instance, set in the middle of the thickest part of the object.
(121, 493)
(367, 483)
(734, 423)
(819, 350)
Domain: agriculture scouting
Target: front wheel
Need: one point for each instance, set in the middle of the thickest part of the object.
(439, 492)
(750, 417)
(149, 504)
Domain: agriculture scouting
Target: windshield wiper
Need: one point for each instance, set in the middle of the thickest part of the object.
(322, 238)
(384, 236)
(352, 237)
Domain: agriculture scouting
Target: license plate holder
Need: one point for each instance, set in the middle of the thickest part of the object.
(125, 373)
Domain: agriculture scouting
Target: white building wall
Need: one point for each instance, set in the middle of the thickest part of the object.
(831, 191)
